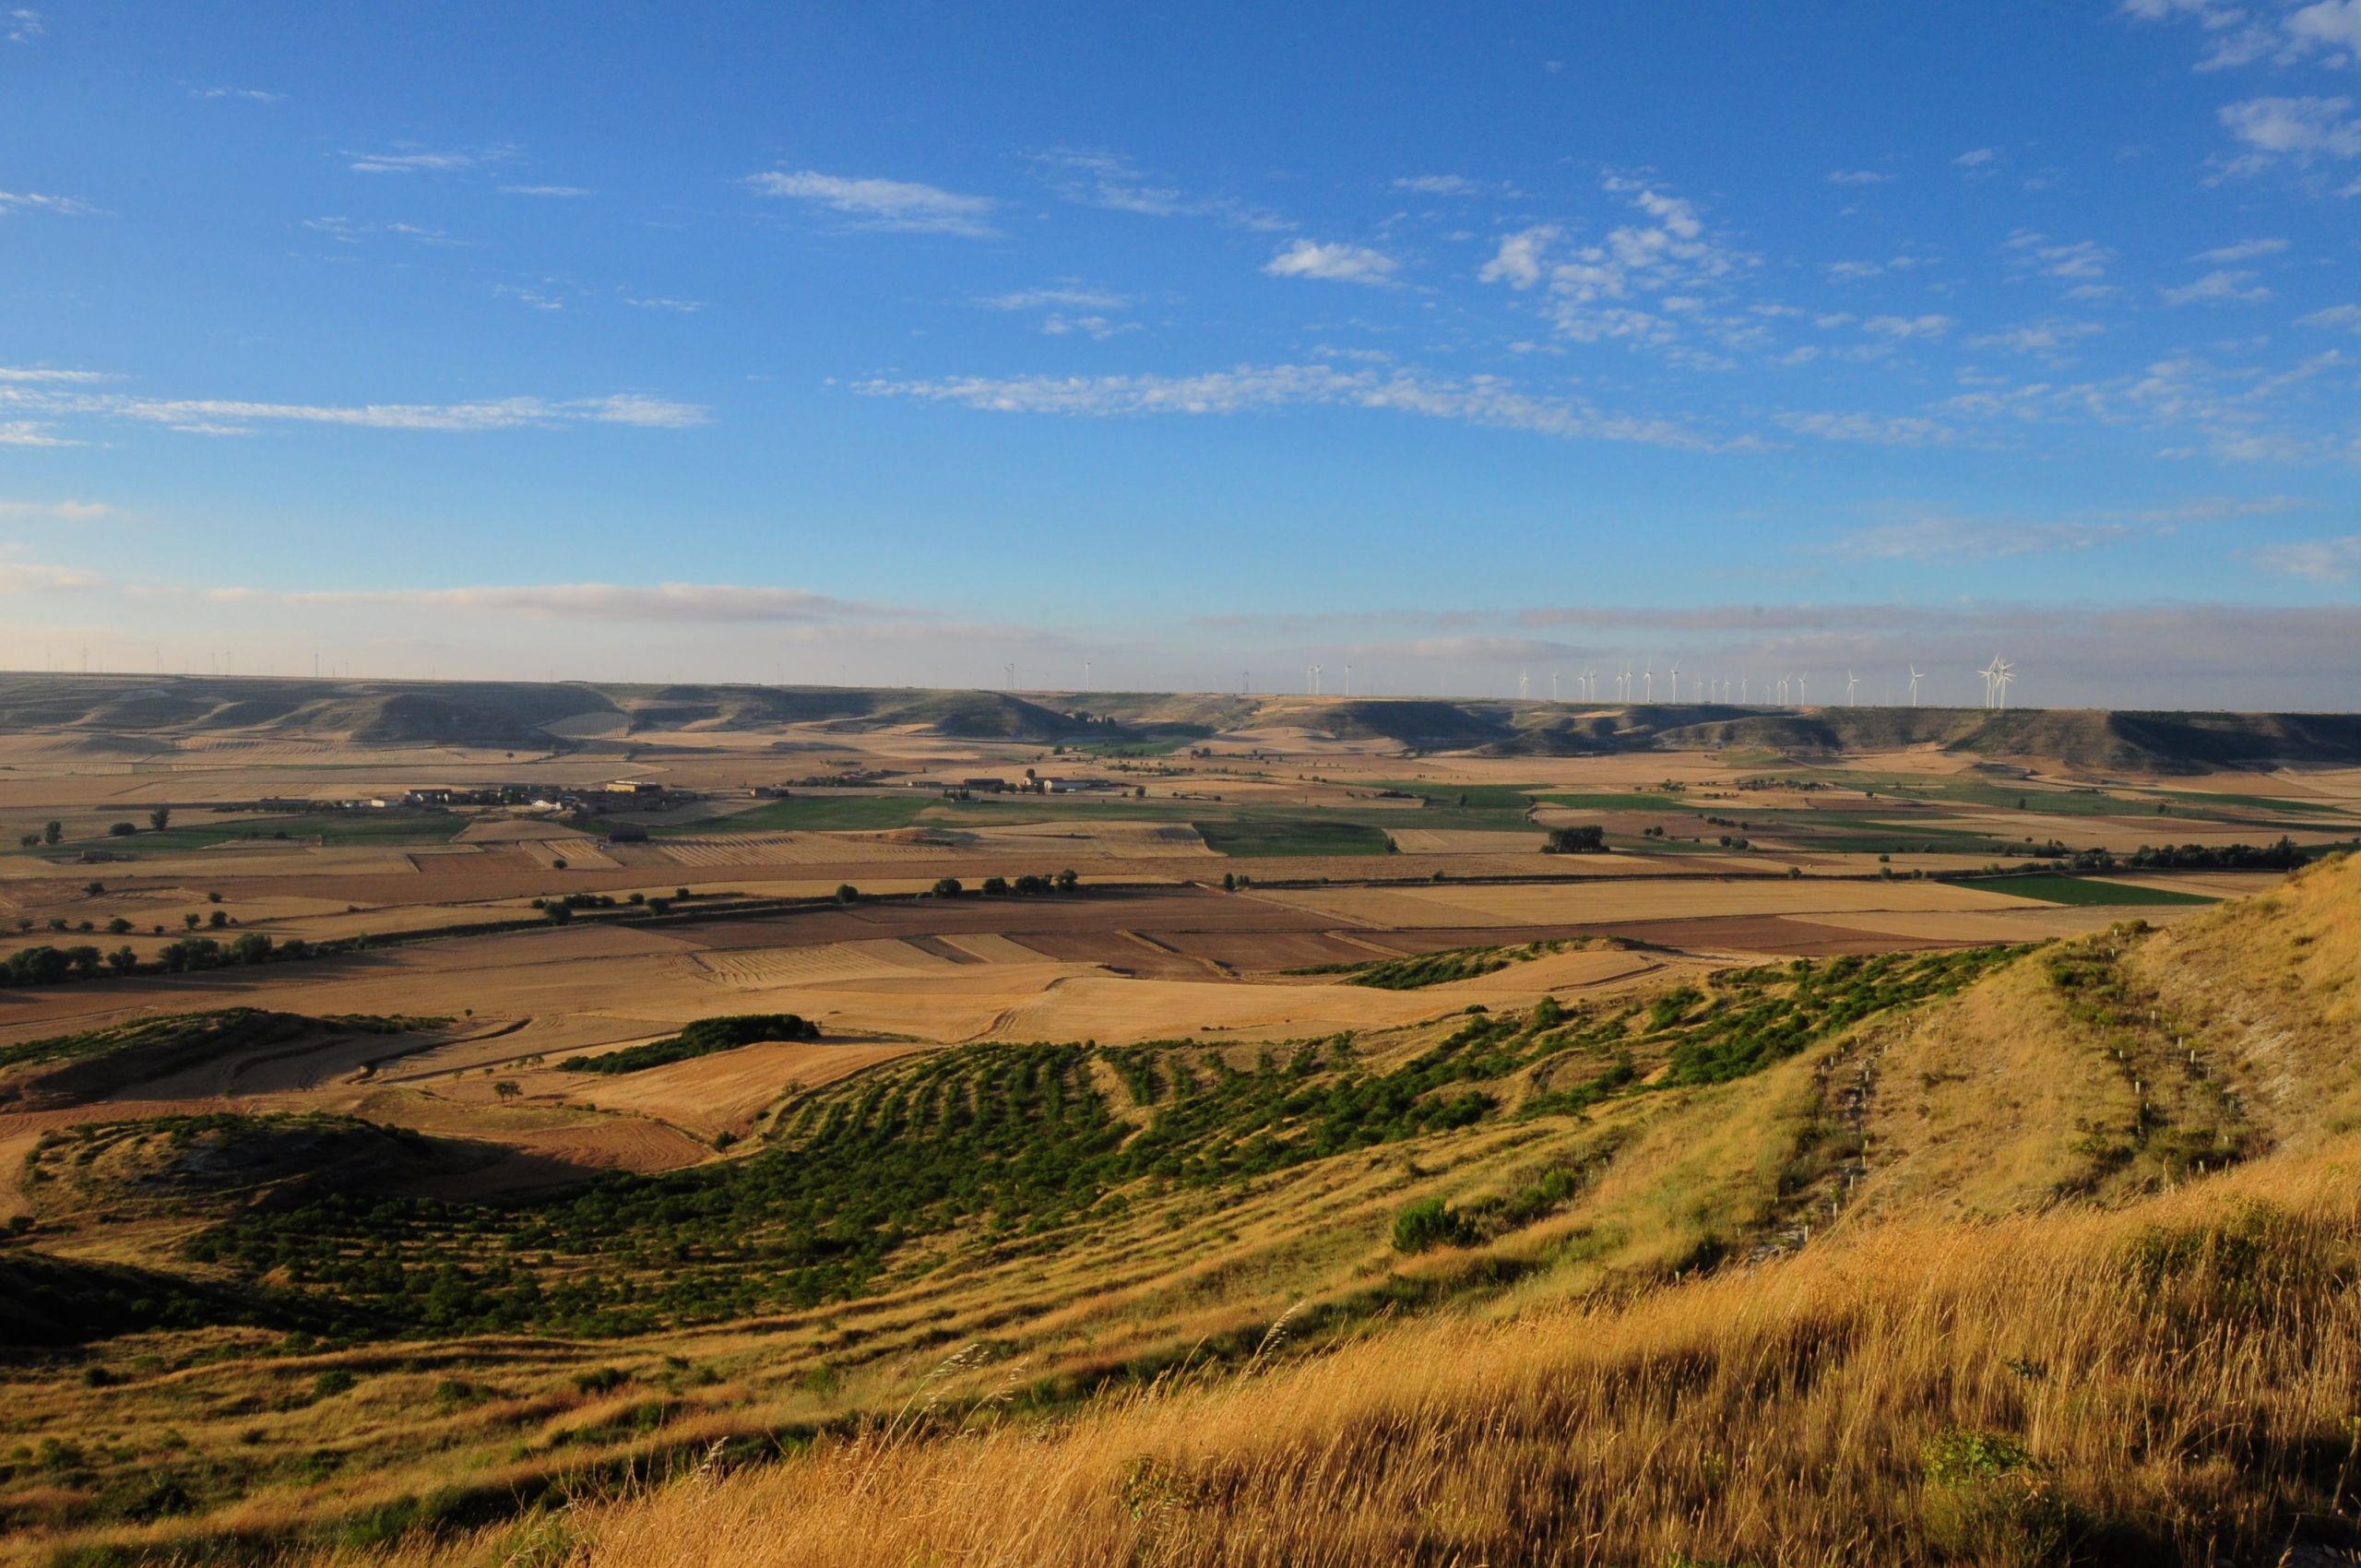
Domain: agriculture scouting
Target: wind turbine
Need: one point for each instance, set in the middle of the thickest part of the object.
(2002, 674)
(1676, 682)
(1991, 673)
(1803, 691)
(1851, 682)
(1085, 676)
(1915, 679)
(1348, 680)
(1553, 685)
(1648, 678)
(1523, 684)
(1011, 671)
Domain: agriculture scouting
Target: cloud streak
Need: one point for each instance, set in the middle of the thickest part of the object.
(901, 206)
(658, 603)
(1482, 401)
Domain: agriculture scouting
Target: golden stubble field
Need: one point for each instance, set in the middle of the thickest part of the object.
(1150, 948)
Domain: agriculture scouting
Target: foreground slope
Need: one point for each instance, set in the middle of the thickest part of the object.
(1926, 1257)
(2121, 1362)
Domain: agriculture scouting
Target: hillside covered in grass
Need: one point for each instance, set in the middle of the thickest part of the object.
(1986, 1255)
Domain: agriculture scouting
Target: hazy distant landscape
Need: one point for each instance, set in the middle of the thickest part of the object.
(420, 1102)
(1047, 786)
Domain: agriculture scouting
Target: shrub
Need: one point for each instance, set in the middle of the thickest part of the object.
(948, 887)
(331, 1383)
(1589, 839)
(1988, 1500)
(122, 829)
(1430, 1223)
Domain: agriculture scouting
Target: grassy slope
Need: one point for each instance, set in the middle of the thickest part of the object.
(2161, 1376)
(2088, 1338)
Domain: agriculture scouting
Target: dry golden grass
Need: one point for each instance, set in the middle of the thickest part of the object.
(2175, 1383)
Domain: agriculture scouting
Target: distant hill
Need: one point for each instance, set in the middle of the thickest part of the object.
(137, 715)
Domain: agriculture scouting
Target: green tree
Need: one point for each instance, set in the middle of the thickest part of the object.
(123, 960)
(507, 1089)
(847, 893)
(161, 818)
(948, 887)
(1067, 881)
(51, 832)
(1584, 840)
(218, 919)
(192, 919)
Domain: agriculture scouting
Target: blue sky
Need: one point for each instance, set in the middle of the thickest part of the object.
(899, 344)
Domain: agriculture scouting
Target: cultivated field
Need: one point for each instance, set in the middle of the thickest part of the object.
(379, 1154)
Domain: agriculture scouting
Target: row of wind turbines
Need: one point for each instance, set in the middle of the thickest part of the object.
(1641, 686)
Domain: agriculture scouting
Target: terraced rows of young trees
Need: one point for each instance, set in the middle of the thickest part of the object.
(1008, 1141)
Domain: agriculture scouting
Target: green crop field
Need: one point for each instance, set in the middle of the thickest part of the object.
(330, 827)
(1652, 801)
(2083, 890)
(820, 814)
(1255, 838)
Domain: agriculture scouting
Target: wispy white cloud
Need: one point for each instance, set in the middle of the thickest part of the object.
(1098, 329)
(1879, 430)
(899, 205)
(2327, 31)
(1095, 177)
(562, 191)
(25, 374)
(1479, 400)
(685, 307)
(2048, 337)
(2298, 130)
(2347, 318)
(1857, 177)
(1977, 158)
(531, 299)
(2221, 286)
(31, 433)
(408, 159)
(2054, 258)
(1069, 297)
(2244, 250)
(1909, 325)
(1979, 538)
(236, 94)
(694, 603)
(1438, 184)
(348, 232)
(23, 25)
(32, 577)
(1333, 263)
(221, 416)
(56, 205)
(2321, 560)
(55, 511)
(1626, 286)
